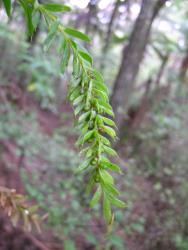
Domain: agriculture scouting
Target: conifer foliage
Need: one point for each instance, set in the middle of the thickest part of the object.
(88, 95)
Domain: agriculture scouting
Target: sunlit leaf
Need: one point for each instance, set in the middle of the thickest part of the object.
(106, 177)
(87, 136)
(116, 202)
(110, 131)
(86, 56)
(55, 7)
(109, 150)
(77, 34)
(110, 189)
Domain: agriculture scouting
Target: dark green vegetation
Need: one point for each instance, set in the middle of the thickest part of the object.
(148, 86)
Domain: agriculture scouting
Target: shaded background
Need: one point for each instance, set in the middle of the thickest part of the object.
(141, 48)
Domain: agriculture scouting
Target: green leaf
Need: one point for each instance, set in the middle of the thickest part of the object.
(51, 35)
(107, 209)
(7, 5)
(109, 150)
(101, 94)
(106, 108)
(86, 56)
(74, 94)
(54, 7)
(84, 116)
(106, 177)
(111, 166)
(89, 153)
(76, 66)
(79, 141)
(76, 81)
(105, 140)
(62, 44)
(114, 167)
(110, 189)
(65, 58)
(105, 104)
(97, 76)
(99, 85)
(90, 184)
(88, 136)
(74, 45)
(78, 109)
(85, 150)
(77, 34)
(78, 100)
(35, 19)
(83, 166)
(116, 202)
(89, 97)
(108, 121)
(99, 120)
(96, 197)
(108, 111)
(108, 130)
(28, 10)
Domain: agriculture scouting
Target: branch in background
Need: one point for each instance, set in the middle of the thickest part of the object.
(161, 69)
(184, 67)
(136, 115)
(132, 57)
(91, 12)
(147, 102)
(109, 33)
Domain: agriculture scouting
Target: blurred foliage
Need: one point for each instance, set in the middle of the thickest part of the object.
(10, 48)
(43, 79)
(158, 148)
(38, 73)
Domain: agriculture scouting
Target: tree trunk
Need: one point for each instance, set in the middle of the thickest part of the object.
(184, 67)
(109, 32)
(164, 60)
(142, 109)
(146, 101)
(132, 57)
(91, 12)
(161, 69)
